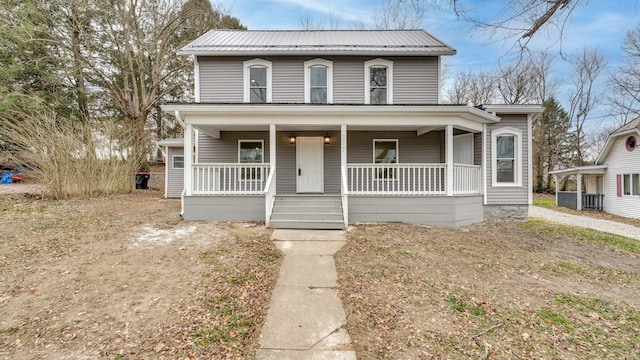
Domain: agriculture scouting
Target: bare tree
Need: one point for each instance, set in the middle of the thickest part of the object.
(521, 19)
(472, 89)
(584, 97)
(625, 81)
(401, 14)
(526, 81)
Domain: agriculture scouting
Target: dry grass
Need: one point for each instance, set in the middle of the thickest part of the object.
(489, 291)
(71, 159)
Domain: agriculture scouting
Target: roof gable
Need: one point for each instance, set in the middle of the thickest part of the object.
(632, 127)
(316, 42)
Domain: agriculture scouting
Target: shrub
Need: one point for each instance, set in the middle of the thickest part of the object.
(70, 158)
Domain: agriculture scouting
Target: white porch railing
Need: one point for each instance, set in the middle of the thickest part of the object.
(344, 197)
(467, 179)
(412, 179)
(229, 179)
(270, 196)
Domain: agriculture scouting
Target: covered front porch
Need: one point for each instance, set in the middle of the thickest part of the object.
(589, 184)
(424, 163)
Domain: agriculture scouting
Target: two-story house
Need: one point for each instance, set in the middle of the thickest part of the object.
(317, 129)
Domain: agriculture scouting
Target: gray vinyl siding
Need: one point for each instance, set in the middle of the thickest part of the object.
(225, 149)
(224, 208)
(221, 79)
(509, 195)
(477, 149)
(348, 81)
(411, 148)
(433, 210)
(288, 80)
(415, 79)
(175, 177)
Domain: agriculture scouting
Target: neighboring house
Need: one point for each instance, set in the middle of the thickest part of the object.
(613, 183)
(173, 150)
(317, 129)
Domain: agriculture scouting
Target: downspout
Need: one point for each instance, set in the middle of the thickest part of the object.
(530, 157)
(484, 164)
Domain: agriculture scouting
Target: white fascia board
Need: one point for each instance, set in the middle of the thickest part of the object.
(306, 120)
(464, 112)
(593, 169)
(318, 53)
(514, 109)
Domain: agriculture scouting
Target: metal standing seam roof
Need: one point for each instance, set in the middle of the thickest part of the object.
(348, 42)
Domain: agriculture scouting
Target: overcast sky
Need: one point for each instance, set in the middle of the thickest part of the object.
(596, 23)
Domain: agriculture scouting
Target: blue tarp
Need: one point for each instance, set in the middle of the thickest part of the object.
(6, 178)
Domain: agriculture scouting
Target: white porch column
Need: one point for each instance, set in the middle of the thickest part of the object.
(579, 191)
(449, 159)
(343, 155)
(272, 146)
(188, 159)
(344, 186)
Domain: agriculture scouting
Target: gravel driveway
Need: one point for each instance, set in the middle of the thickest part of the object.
(585, 221)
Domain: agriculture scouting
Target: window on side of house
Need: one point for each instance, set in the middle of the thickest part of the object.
(250, 152)
(385, 151)
(318, 79)
(378, 81)
(506, 153)
(631, 184)
(257, 81)
(505, 159)
(178, 161)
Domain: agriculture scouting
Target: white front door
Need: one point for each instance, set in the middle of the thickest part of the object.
(310, 161)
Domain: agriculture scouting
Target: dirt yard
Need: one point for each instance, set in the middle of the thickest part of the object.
(490, 291)
(123, 277)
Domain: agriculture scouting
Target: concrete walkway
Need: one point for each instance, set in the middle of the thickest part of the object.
(585, 221)
(305, 319)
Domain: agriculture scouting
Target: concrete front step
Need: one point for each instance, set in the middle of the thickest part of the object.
(307, 224)
(282, 208)
(268, 354)
(337, 216)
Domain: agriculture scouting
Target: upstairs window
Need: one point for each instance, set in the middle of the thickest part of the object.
(318, 80)
(506, 157)
(257, 81)
(378, 81)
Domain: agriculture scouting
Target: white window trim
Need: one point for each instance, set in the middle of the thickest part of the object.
(367, 78)
(249, 140)
(631, 183)
(307, 78)
(173, 161)
(247, 65)
(373, 150)
(517, 163)
(239, 174)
